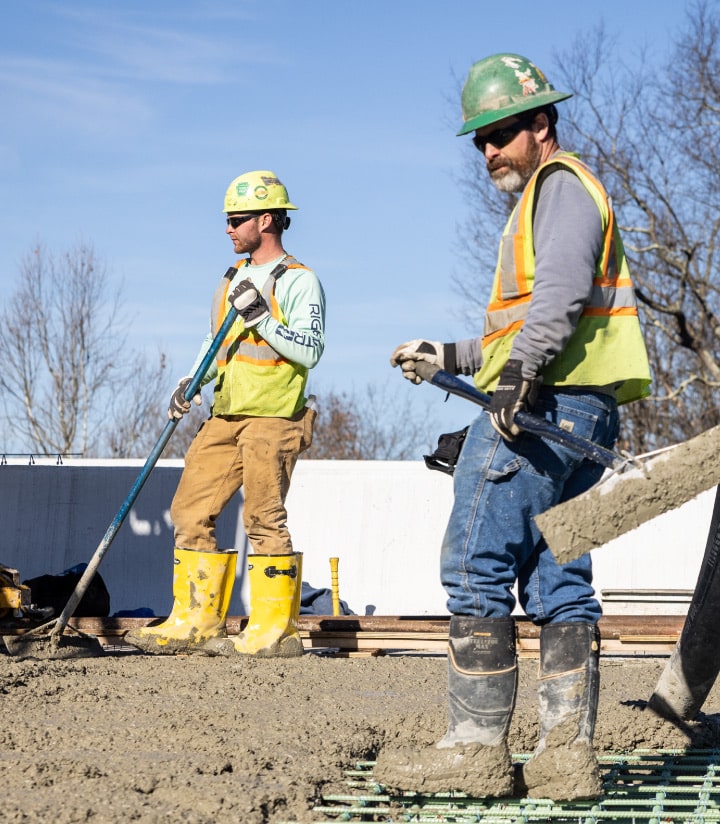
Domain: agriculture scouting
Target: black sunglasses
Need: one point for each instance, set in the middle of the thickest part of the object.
(238, 221)
(501, 137)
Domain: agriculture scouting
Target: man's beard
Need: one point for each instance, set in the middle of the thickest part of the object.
(515, 174)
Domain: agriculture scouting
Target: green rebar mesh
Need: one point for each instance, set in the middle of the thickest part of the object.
(644, 786)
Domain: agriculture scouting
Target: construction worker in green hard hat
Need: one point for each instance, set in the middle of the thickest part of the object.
(561, 339)
(261, 421)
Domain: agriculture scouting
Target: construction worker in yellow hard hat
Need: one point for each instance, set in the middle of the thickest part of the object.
(261, 421)
(561, 339)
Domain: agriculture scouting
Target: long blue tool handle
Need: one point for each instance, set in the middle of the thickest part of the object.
(62, 620)
(525, 420)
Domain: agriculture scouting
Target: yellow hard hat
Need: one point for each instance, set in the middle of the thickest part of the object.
(256, 192)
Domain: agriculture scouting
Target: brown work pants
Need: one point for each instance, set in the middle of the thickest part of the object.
(257, 454)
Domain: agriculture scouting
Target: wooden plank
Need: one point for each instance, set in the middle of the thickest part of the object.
(611, 626)
(428, 641)
(369, 634)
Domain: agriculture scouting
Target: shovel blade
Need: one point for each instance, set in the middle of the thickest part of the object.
(631, 498)
(48, 645)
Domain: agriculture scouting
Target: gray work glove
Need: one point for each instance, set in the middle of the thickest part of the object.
(407, 354)
(512, 394)
(179, 405)
(249, 303)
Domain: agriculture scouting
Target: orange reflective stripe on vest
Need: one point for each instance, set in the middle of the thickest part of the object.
(253, 378)
(612, 292)
(606, 347)
(247, 345)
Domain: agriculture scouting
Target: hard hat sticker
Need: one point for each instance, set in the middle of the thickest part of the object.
(529, 86)
(270, 181)
(511, 62)
(525, 76)
(241, 189)
(260, 192)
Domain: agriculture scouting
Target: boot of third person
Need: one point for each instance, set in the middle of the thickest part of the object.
(473, 756)
(564, 766)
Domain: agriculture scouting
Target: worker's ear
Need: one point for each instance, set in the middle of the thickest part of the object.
(541, 123)
(264, 221)
(541, 127)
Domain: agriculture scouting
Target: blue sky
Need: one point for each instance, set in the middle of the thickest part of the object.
(124, 122)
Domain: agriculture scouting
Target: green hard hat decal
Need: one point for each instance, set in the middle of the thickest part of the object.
(503, 85)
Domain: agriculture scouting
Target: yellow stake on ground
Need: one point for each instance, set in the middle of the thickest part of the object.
(334, 586)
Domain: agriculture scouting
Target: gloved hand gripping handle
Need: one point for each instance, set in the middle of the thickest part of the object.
(194, 385)
(525, 420)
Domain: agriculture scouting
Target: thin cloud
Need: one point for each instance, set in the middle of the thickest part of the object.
(66, 95)
(111, 75)
(174, 51)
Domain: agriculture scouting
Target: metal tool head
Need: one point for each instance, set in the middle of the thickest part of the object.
(43, 643)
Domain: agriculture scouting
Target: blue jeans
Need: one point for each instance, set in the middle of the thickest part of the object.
(492, 539)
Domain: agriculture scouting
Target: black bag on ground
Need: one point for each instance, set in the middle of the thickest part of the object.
(447, 453)
(55, 591)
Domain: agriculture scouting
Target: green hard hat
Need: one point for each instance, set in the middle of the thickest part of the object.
(503, 85)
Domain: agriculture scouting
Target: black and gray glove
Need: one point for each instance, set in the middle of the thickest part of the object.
(179, 405)
(249, 302)
(512, 394)
(407, 354)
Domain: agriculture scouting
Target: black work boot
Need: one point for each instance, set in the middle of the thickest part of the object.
(564, 766)
(472, 757)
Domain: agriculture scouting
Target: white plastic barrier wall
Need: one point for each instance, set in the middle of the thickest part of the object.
(384, 520)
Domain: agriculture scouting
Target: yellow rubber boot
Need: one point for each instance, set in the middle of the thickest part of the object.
(272, 628)
(202, 587)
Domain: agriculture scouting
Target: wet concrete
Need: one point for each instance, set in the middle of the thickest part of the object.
(632, 497)
(137, 738)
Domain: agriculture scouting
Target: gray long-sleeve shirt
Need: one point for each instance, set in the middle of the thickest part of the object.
(568, 238)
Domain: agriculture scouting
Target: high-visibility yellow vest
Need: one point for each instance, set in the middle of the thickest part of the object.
(607, 346)
(254, 379)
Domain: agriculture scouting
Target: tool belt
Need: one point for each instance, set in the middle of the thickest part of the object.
(447, 453)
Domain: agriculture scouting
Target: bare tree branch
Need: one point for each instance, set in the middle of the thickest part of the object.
(63, 358)
(378, 423)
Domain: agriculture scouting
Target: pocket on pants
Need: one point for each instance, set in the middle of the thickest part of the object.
(308, 421)
(504, 471)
